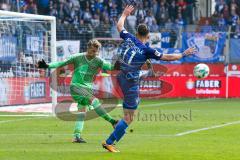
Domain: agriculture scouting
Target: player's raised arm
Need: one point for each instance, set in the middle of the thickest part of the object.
(127, 11)
(173, 57)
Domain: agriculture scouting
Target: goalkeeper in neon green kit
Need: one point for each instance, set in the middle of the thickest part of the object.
(86, 67)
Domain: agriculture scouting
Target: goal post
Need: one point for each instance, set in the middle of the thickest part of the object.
(25, 39)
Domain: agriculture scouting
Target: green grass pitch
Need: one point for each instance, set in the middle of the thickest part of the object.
(153, 136)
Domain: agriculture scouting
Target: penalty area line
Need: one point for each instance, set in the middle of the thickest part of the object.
(17, 120)
(26, 115)
(207, 128)
(179, 102)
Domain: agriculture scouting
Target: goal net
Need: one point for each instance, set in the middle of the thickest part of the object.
(25, 39)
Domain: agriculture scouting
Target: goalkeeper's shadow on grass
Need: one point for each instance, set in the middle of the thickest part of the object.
(63, 110)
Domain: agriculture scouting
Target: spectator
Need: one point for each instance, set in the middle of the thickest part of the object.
(43, 7)
(237, 31)
(87, 16)
(61, 12)
(98, 5)
(76, 20)
(113, 11)
(105, 23)
(103, 15)
(222, 23)
(162, 14)
(225, 12)
(172, 10)
(234, 20)
(189, 10)
(169, 24)
(179, 21)
(67, 9)
(140, 13)
(149, 18)
(155, 7)
(220, 6)
(131, 21)
(207, 28)
(146, 4)
(95, 21)
(4, 6)
(114, 31)
(53, 10)
(182, 5)
(233, 7)
(76, 4)
(30, 7)
(154, 27)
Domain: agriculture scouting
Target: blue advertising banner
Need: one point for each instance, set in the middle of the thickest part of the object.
(209, 46)
(8, 48)
(235, 50)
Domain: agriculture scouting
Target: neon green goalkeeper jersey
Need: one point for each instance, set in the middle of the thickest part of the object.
(84, 70)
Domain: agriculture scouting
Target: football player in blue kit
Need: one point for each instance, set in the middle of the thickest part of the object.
(133, 54)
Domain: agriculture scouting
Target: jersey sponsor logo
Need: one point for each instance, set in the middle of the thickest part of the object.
(157, 54)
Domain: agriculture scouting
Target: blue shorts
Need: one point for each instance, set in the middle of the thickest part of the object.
(130, 90)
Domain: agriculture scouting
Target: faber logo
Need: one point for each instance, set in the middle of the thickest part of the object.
(208, 84)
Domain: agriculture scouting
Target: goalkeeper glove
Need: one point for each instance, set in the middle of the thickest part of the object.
(42, 64)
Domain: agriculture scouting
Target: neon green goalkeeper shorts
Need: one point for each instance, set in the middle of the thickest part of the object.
(82, 94)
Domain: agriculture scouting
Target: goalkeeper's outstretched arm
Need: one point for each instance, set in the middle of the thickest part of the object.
(44, 65)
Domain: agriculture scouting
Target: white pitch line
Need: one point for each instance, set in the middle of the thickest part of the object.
(207, 128)
(181, 101)
(89, 134)
(175, 102)
(27, 115)
(143, 135)
(119, 105)
(16, 120)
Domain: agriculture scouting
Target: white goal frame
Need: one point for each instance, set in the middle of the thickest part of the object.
(52, 21)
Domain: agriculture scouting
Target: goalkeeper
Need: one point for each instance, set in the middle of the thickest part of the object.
(86, 66)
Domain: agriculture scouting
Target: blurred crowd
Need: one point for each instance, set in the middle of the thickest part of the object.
(103, 14)
(153, 12)
(227, 12)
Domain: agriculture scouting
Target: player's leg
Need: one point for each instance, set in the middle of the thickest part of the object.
(78, 128)
(83, 93)
(130, 91)
(102, 112)
(119, 130)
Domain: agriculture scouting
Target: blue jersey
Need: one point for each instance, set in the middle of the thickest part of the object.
(235, 20)
(133, 53)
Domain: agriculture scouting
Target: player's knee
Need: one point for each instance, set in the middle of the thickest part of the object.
(128, 118)
(81, 116)
(81, 109)
(95, 103)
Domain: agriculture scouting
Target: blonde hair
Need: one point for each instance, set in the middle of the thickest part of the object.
(94, 43)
